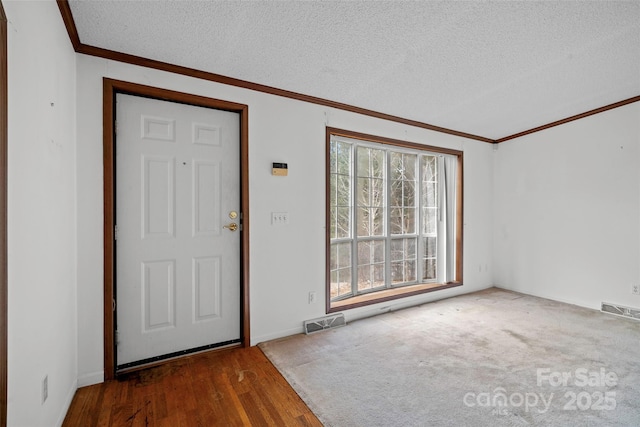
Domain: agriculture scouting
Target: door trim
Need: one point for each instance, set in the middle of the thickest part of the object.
(4, 124)
(110, 89)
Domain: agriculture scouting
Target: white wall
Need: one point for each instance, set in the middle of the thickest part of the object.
(285, 262)
(42, 206)
(567, 210)
(554, 214)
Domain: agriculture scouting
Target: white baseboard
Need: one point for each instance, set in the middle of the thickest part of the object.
(368, 311)
(276, 335)
(67, 403)
(91, 379)
(545, 295)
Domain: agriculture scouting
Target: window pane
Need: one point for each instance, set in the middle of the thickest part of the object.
(370, 277)
(340, 255)
(371, 260)
(335, 286)
(377, 163)
(333, 155)
(395, 218)
(344, 158)
(370, 222)
(364, 225)
(333, 199)
(403, 272)
(429, 269)
(333, 261)
(378, 251)
(371, 252)
(332, 222)
(410, 167)
(402, 193)
(397, 250)
(429, 195)
(395, 194)
(364, 278)
(363, 162)
(343, 190)
(377, 221)
(364, 253)
(429, 164)
(409, 220)
(341, 283)
(370, 191)
(396, 166)
(378, 275)
(403, 260)
(363, 192)
(430, 248)
(429, 224)
(340, 190)
(408, 193)
(340, 269)
(376, 192)
(343, 223)
(397, 273)
(410, 249)
(410, 271)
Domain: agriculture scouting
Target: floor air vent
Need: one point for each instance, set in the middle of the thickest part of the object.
(621, 310)
(324, 323)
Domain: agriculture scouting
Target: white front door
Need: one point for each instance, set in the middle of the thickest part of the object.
(177, 250)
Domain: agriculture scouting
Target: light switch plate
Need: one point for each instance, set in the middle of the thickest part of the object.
(279, 218)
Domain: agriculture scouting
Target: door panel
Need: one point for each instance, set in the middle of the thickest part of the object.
(158, 199)
(159, 294)
(177, 268)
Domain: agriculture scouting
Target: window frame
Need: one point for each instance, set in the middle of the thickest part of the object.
(392, 292)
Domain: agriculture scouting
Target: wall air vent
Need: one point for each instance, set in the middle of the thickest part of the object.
(324, 323)
(621, 310)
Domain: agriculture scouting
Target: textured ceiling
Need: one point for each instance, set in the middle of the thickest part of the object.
(487, 68)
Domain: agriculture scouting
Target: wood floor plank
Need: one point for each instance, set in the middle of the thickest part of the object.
(236, 387)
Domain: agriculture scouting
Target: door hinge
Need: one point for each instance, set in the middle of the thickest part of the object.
(117, 338)
(115, 232)
(113, 304)
(115, 127)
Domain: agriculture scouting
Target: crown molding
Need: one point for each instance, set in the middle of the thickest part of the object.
(571, 119)
(79, 47)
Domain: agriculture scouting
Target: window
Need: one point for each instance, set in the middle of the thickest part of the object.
(393, 219)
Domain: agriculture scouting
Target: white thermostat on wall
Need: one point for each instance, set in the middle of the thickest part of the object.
(280, 169)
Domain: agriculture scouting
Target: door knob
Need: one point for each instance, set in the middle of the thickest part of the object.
(233, 226)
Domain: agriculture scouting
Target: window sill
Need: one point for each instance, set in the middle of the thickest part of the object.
(387, 295)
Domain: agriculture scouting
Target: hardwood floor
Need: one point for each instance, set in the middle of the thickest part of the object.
(224, 388)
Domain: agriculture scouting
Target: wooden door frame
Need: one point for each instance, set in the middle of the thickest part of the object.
(110, 89)
(4, 124)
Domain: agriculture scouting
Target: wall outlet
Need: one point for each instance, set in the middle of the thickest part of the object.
(312, 297)
(45, 388)
(635, 289)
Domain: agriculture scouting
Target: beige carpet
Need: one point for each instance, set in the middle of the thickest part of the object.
(491, 358)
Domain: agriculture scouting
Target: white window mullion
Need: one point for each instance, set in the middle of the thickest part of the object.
(354, 225)
(449, 173)
(419, 230)
(387, 222)
(442, 224)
